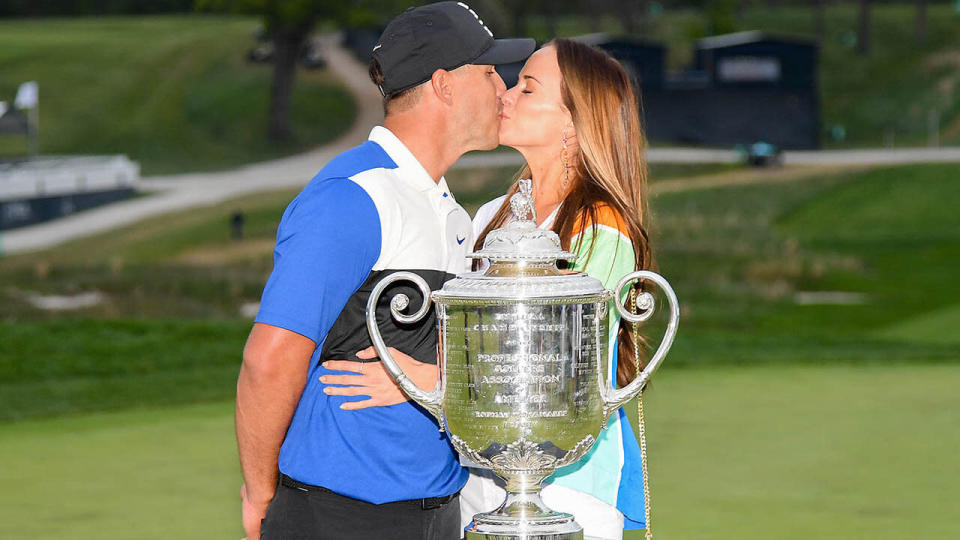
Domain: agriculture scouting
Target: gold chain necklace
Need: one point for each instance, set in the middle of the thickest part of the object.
(641, 429)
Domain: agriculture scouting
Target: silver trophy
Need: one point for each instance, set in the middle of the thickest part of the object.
(522, 358)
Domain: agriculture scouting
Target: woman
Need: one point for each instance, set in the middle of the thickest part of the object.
(573, 115)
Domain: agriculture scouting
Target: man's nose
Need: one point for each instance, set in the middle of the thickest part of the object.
(501, 86)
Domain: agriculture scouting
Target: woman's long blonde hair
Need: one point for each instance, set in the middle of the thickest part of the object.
(609, 169)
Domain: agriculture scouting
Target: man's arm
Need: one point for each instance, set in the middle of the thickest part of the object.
(272, 378)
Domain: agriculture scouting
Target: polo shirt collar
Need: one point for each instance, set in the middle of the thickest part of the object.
(411, 170)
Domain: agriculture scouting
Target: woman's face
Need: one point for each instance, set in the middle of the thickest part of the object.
(533, 112)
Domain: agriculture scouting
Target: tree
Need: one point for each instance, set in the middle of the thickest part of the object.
(721, 16)
(288, 23)
(863, 32)
(820, 18)
(921, 23)
(519, 12)
(631, 16)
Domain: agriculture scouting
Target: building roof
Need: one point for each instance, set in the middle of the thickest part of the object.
(602, 38)
(752, 36)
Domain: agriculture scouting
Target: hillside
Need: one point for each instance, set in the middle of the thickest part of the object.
(173, 92)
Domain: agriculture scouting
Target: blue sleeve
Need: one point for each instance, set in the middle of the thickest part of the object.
(327, 244)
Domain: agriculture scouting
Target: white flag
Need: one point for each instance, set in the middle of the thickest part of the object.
(27, 95)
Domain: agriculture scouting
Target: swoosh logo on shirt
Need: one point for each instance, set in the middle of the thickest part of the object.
(460, 240)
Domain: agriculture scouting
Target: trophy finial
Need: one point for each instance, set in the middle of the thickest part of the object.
(522, 202)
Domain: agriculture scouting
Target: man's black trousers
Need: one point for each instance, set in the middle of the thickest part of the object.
(302, 512)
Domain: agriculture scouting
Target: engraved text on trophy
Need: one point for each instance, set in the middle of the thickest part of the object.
(522, 372)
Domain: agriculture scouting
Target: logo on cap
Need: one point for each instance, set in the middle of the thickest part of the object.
(475, 16)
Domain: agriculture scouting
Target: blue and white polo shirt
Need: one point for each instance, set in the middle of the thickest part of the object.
(372, 211)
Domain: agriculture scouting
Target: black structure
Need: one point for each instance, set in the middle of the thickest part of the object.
(743, 88)
(19, 213)
(754, 59)
(644, 61)
(35, 190)
(18, 123)
(14, 122)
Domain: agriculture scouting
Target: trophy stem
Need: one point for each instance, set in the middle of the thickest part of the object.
(523, 515)
(523, 498)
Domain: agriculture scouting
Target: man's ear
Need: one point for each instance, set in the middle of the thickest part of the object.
(442, 85)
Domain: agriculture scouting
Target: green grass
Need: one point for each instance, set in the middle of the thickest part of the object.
(179, 265)
(173, 92)
(736, 256)
(939, 326)
(820, 452)
(66, 367)
(762, 452)
(769, 419)
(739, 255)
(145, 473)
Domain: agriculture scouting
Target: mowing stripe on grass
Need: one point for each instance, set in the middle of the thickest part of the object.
(939, 326)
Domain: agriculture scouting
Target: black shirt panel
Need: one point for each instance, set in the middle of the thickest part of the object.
(349, 333)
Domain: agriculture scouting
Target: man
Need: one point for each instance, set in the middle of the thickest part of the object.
(311, 469)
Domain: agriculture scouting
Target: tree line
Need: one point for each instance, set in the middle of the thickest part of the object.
(289, 23)
(54, 8)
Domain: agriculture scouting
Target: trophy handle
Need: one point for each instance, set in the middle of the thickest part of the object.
(613, 398)
(431, 401)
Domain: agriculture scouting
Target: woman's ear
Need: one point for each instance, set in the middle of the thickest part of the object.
(570, 132)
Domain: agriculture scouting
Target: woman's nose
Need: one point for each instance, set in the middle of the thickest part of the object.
(510, 95)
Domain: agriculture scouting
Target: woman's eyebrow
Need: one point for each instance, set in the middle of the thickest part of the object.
(533, 78)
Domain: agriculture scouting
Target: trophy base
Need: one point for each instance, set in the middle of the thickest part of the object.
(557, 526)
(523, 516)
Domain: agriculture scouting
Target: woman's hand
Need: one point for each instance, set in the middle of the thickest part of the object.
(372, 379)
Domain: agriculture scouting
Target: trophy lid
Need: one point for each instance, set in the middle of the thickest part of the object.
(521, 240)
(523, 263)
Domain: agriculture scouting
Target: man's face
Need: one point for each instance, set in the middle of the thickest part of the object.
(478, 106)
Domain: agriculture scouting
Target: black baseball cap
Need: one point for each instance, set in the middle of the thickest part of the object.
(444, 35)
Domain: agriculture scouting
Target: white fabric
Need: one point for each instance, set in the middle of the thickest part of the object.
(412, 206)
(600, 521)
(485, 215)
